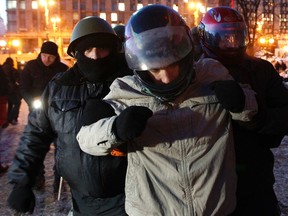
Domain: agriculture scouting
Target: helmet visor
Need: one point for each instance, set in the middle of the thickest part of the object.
(227, 36)
(156, 48)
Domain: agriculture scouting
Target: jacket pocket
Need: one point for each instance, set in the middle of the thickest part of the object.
(65, 114)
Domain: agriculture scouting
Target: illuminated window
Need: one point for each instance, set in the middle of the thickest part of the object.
(22, 5)
(11, 4)
(34, 5)
(121, 6)
(175, 7)
(75, 16)
(103, 16)
(114, 17)
(139, 6)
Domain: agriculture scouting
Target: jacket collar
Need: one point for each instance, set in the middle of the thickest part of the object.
(71, 77)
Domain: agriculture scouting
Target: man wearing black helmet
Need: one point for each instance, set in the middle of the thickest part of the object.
(223, 34)
(96, 183)
(177, 132)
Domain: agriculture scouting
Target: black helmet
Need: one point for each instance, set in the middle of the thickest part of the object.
(156, 37)
(98, 30)
(223, 34)
(120, 31)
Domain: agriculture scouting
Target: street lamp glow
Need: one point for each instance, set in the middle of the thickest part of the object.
(55, 20)
(15, 43)
(271, 40)
(45, 3)
(3, 43)
(262, 40)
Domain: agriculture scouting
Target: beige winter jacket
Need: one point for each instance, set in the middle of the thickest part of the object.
(183, 164)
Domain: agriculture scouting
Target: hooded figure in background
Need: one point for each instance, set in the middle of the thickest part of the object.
(96, 183)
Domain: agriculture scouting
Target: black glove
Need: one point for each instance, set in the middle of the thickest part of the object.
(229, 94)
(22, 199)
(94, 110)
(131, 122)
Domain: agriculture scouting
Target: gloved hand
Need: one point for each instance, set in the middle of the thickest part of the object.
(94, 110)
(131, 122)
(229, 94)
(22, 199)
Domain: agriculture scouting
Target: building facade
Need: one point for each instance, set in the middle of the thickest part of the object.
(34, 21)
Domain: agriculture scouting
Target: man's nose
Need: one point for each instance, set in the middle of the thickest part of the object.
(94, 53)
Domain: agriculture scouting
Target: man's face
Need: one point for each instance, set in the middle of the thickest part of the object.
(96, 53)
(47, 59)
(165, 75)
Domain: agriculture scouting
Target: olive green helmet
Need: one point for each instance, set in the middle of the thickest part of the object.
(88, 26)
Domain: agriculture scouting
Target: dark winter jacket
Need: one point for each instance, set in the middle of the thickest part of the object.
(13, 76)
(36, 76)
(255, 161)
(64, 100)
(4, 84)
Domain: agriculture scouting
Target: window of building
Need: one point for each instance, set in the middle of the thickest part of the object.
(102, 5)
(114, 5)
(114, 17)
(75, 17)
(22, 5)
(94, 5)
(132, 5)
(103, 16)
(175, 7)
(11, 4)
(22, 21)
(121, 6)
(75, 5)
(82, 5)
(34, 5)
(139, 6)
(121, 17)
(82, 15)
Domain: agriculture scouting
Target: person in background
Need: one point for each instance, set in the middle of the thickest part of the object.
(34, 78)
(223, 35)
(38, 72)
(14, 97)
(174, 121)
(4, 91)
(120, 31)
(96, 183)
(280, 66)
(196, 43)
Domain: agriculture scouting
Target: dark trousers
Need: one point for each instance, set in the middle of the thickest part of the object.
(91, 206)
(14, 103)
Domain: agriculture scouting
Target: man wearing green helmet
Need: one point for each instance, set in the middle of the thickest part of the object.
(96, 183)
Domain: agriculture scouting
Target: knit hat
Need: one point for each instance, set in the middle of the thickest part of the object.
(49, 47)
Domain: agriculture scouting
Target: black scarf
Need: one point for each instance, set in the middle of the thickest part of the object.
(98, 70)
